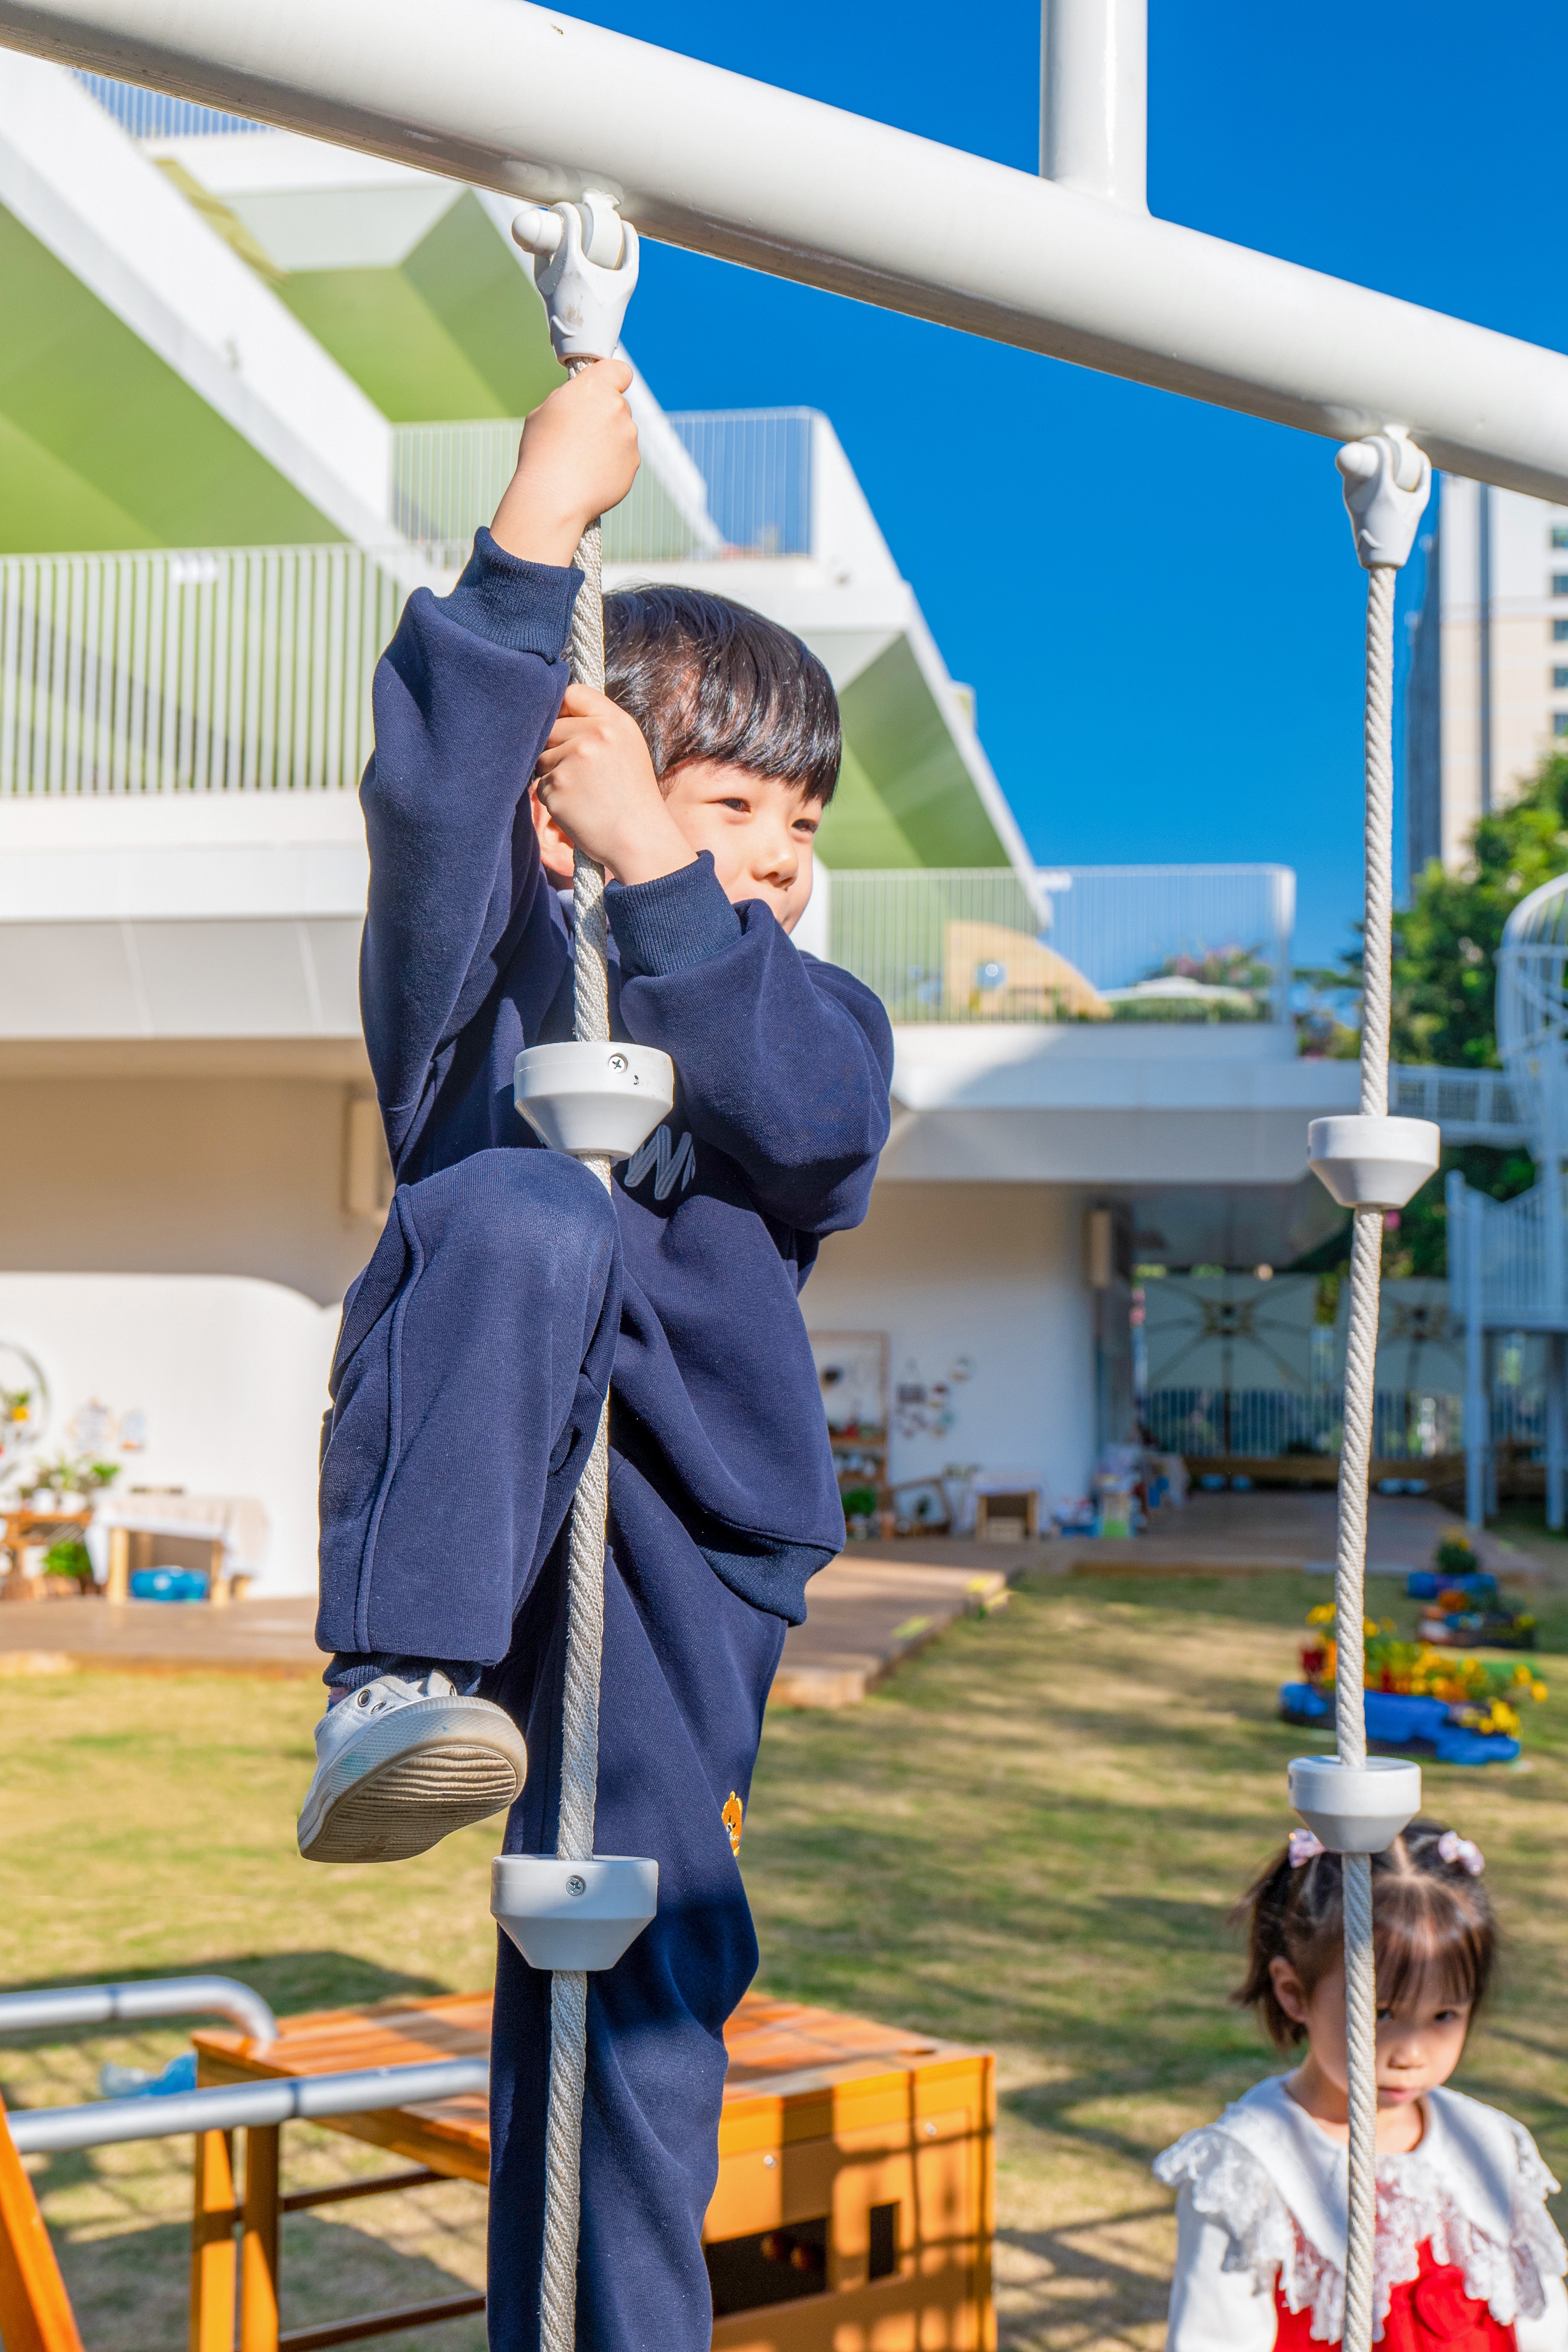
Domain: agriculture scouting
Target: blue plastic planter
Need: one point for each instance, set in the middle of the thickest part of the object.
(168, 1584)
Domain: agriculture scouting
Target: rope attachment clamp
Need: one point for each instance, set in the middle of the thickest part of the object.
(585, 267)
(1355, 1808)
(573, 1915)
(593, 1098)
(1368, 1162)
(1387, 481)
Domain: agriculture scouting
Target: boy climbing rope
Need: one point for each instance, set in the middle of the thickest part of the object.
(1467, 2257)
(507, 1291)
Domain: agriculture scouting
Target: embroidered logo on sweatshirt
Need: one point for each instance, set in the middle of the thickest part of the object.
(732, 1816)
(671, 1163)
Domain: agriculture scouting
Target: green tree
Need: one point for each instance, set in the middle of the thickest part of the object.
(1447, 939)
(1445, 995)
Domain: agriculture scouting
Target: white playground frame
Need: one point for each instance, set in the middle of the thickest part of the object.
(525, 101)
(512, 97)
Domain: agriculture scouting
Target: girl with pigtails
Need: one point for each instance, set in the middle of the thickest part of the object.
(1468, 2259)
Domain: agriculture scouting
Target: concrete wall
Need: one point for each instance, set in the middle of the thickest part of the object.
(179, 1247)
(230, 1375)
(190, 1175)
(992, 1273)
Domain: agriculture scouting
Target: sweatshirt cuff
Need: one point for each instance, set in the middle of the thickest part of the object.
(513, 603)
(666, 925)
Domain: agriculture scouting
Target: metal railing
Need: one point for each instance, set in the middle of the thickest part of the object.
(1469, 1106)
(977, 944)
(1521, 1279)
(105, 2004)
(245, 2105)
(448, 478)
(756, 464)
(194, 670)
(1267, 1424)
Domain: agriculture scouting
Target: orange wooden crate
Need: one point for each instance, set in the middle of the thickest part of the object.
(846, 2149)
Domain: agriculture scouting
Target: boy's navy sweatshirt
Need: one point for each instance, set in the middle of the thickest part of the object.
(782, 1068)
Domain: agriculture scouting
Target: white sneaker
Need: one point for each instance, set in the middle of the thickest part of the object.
(400, 1764)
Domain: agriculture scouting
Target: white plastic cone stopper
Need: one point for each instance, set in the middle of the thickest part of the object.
(593, 1099)
(1373, 1164)
(1356, 1808)
(573, 1915)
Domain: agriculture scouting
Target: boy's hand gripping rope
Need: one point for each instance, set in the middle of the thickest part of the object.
(1370, 1163)
(586, 271)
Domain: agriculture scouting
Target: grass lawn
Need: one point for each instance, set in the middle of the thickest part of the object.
(1031, 1837)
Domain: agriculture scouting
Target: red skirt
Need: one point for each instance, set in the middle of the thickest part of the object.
(1429, 2310)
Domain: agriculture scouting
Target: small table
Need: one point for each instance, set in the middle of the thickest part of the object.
(233, 1528)
(855, 2181)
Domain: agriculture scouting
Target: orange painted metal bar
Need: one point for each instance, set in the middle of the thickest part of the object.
(213, 2266)
(35, 2309)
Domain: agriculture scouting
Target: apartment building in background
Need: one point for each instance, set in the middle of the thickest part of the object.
(1487, 685)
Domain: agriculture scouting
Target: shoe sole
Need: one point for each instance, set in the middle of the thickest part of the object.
(390, 1796)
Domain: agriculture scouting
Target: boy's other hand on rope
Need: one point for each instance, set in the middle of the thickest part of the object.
(578, 458)
(595, 790)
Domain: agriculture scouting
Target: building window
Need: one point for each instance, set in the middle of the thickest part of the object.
(1560, 534)
(1559, 676)
(1560, 722)
(1560, 583)
(1560, 632)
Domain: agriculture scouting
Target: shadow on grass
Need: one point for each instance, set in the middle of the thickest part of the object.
(130, 2291)
(1075, 2293)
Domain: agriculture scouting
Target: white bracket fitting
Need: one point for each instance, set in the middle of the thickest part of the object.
(1355, 1808)
(594, 1100)
(585, 267)
(1373, 1164)
(1387, 481)
(573, 1915)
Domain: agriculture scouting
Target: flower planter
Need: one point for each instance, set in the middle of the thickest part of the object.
(1398, 1720)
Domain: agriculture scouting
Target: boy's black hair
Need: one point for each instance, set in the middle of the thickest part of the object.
(708, 679)
(1432, 1928)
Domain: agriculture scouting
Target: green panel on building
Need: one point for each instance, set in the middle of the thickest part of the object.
(917, 804)
(103, 444)
(455, 330)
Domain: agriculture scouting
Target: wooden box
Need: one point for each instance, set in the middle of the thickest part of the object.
(856, 2169)
(853, 2210)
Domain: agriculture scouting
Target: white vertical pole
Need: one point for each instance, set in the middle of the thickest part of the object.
(1556, 1350)
(1093, 98)
(1464, 1216)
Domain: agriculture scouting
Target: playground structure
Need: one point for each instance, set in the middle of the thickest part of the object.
(1507, 1262)
(563, 116)
(855, 2161)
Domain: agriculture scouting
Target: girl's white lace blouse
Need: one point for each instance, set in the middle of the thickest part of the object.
(1262, 2196)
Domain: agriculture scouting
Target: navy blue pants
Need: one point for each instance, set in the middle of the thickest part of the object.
(473, 1357)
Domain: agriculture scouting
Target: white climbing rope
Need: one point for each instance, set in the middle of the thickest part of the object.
(584, 1598)
(1356, 1461)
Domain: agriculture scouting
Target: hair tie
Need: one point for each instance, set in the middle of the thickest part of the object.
(1452, 1848)
(1306, 1846)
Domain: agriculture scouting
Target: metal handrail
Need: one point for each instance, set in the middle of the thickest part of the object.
(245, 2106)
(106, 2004)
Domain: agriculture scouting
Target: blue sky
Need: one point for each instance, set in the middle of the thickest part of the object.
(1170, 667)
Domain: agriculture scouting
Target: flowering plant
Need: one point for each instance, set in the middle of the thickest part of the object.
(1484, 1697)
